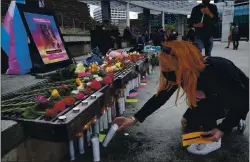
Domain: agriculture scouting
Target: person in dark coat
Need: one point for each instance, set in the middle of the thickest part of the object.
(127, 35)
(214, 88)
(203, 18)
(235, 36)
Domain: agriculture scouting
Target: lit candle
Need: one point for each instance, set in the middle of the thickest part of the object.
(81, 144)
(120, 106)
(89, 132)
(71, 150)
(114, 110)
(96, 127)
(125, 93)
(109, 115)
(101, 123)
(123, 104)
(133, 83)
(95, 148)
(127, 90)
(110, 134)
(105, 120)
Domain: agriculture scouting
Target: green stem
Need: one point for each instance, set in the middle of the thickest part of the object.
(18, 104)
(15, 109)
(18, 98)
(33, 91)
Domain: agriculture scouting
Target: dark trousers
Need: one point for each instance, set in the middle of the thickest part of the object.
(204, 42)
(235, 41)
(236, 44)
(205, 115)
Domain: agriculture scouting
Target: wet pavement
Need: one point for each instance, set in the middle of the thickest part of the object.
(159, 137)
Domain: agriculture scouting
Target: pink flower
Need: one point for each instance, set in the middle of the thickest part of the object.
(64, 86)
(80, 96)
(41, 99)
(82, 74)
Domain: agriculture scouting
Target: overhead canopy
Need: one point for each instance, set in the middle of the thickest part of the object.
(183, 7)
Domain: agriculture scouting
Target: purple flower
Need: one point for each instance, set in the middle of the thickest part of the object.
(41, 99)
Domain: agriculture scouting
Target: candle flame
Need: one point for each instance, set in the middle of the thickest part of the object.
(94, 120)
(79, 134)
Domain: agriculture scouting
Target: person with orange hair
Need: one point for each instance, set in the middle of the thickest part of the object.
(211, 85)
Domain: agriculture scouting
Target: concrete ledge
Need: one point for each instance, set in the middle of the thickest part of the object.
(73, 38)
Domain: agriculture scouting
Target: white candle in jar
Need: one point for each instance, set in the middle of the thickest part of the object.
(120, 106)
(101, 123)
(110, 134)
(95, 148)
(114, 110)
(110, 115)
(96, 127)
(89, 133)
(105, 120)
(81, 144)
(71, 150)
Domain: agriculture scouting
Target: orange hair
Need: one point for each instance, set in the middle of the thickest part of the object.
(189, 63)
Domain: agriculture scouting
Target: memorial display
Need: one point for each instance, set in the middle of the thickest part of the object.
(47, 49)
(76, 96)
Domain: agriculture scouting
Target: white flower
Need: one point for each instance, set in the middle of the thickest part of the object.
(75, 91)
(99, 79)
(80, 88)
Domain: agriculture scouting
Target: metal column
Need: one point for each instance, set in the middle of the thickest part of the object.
(163, 20)
(127, 15)
(106, 16)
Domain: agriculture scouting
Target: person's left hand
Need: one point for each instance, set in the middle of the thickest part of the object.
(215, 134)
(205, 10)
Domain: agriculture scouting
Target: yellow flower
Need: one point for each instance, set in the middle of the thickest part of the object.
(79, 82)
(55, 93)
(118, 65)
(80, 68)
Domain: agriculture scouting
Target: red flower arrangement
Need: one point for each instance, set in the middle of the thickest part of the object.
(80, 96)
(107, 80)
(95, 85)
(69, 101)
(58, 107)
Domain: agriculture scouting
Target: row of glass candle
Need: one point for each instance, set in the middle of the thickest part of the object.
(96, 126)
(93, 128)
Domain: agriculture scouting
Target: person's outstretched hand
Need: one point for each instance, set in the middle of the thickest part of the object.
(123, 122)
(215, 134)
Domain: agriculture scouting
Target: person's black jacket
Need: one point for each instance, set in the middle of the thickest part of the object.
(158, 38)
(221, 81)
(191, 35)
(127, 35)
(208, 28)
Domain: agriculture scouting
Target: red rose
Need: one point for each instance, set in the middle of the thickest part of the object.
(95, 85)
(59, 106)
(51, 112)
(107, 80)
(80, 96)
